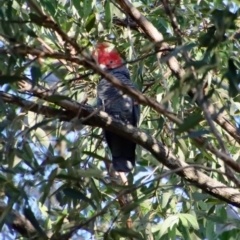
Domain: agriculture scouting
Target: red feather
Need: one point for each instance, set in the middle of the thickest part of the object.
(110, 58)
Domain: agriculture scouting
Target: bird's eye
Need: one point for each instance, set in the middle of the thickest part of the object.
(111, 61)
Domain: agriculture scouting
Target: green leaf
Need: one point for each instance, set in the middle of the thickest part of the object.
(230, 235)
(42, 137)
(40, 124)
(75, 194)
(36, 74)
(6, 212)
(166, 198)
(96, 194)
(87, 7)
(192, 221)
(195, 134)
(223, 213)
(2, 178)
(47, 187)
(9, 79)
(58, 226)
(30, 32)
(233, 78)
(28, 156)
(170, 222)
(90, 173)
(90, 22)
(223, 19)
(190, 122)
(172, 232)
(128, 233)
(82, 173)
(94, 155)
(78, 4)
(199, 196)
(183, 220)
(108, 14)
(30, 216)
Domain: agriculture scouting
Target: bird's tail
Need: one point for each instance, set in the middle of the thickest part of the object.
(121, 164)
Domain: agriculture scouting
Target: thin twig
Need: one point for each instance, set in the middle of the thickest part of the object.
(44, 92)
(161, 152)
(126, 191)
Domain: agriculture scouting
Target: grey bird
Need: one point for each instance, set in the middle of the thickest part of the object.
(117, 105)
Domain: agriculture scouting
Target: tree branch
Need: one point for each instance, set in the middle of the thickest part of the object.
(124, 192)
(152, 33)
(18, 222)
(44, 93)
(137, 95)
(125, 23)
(155, 36)
(159, 151)
(47, 21)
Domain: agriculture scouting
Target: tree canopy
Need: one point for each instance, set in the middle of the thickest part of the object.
(56, 176)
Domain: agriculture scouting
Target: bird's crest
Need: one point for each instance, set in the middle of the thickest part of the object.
(106, 56)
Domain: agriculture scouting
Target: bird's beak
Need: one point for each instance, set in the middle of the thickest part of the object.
(102, 66)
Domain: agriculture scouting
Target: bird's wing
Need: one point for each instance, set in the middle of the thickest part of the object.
(136, 113)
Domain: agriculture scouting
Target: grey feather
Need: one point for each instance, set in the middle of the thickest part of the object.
(124, 108)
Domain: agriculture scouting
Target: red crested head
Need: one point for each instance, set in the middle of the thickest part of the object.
(107, 56)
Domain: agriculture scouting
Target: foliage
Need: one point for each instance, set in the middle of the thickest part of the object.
(56, 174)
